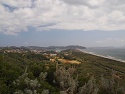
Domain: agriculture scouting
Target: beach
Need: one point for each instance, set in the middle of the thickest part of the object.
(107, 57)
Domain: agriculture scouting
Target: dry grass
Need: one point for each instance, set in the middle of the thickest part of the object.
(69, 61)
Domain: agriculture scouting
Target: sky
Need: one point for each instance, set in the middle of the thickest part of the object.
(89, 23)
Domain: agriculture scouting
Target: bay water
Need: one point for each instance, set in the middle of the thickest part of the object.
(116, 53)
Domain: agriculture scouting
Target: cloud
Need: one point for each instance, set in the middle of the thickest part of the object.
(17, 15)
(88, 3)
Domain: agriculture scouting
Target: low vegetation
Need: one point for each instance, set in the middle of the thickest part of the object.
(31, 73)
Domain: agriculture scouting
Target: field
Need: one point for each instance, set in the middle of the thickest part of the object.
(69, 61)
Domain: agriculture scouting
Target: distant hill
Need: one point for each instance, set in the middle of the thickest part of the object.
(50, 48)
(75, 47)
(56, 47)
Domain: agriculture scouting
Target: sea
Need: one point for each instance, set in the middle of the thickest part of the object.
(113, 52)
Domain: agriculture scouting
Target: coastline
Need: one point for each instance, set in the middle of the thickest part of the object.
(107, 57)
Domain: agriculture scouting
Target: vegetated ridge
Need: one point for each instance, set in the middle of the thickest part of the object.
(51, 72)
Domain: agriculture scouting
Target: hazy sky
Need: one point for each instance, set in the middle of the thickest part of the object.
(62, 22)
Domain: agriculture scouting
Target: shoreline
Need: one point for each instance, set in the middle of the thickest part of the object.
(107, 57)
